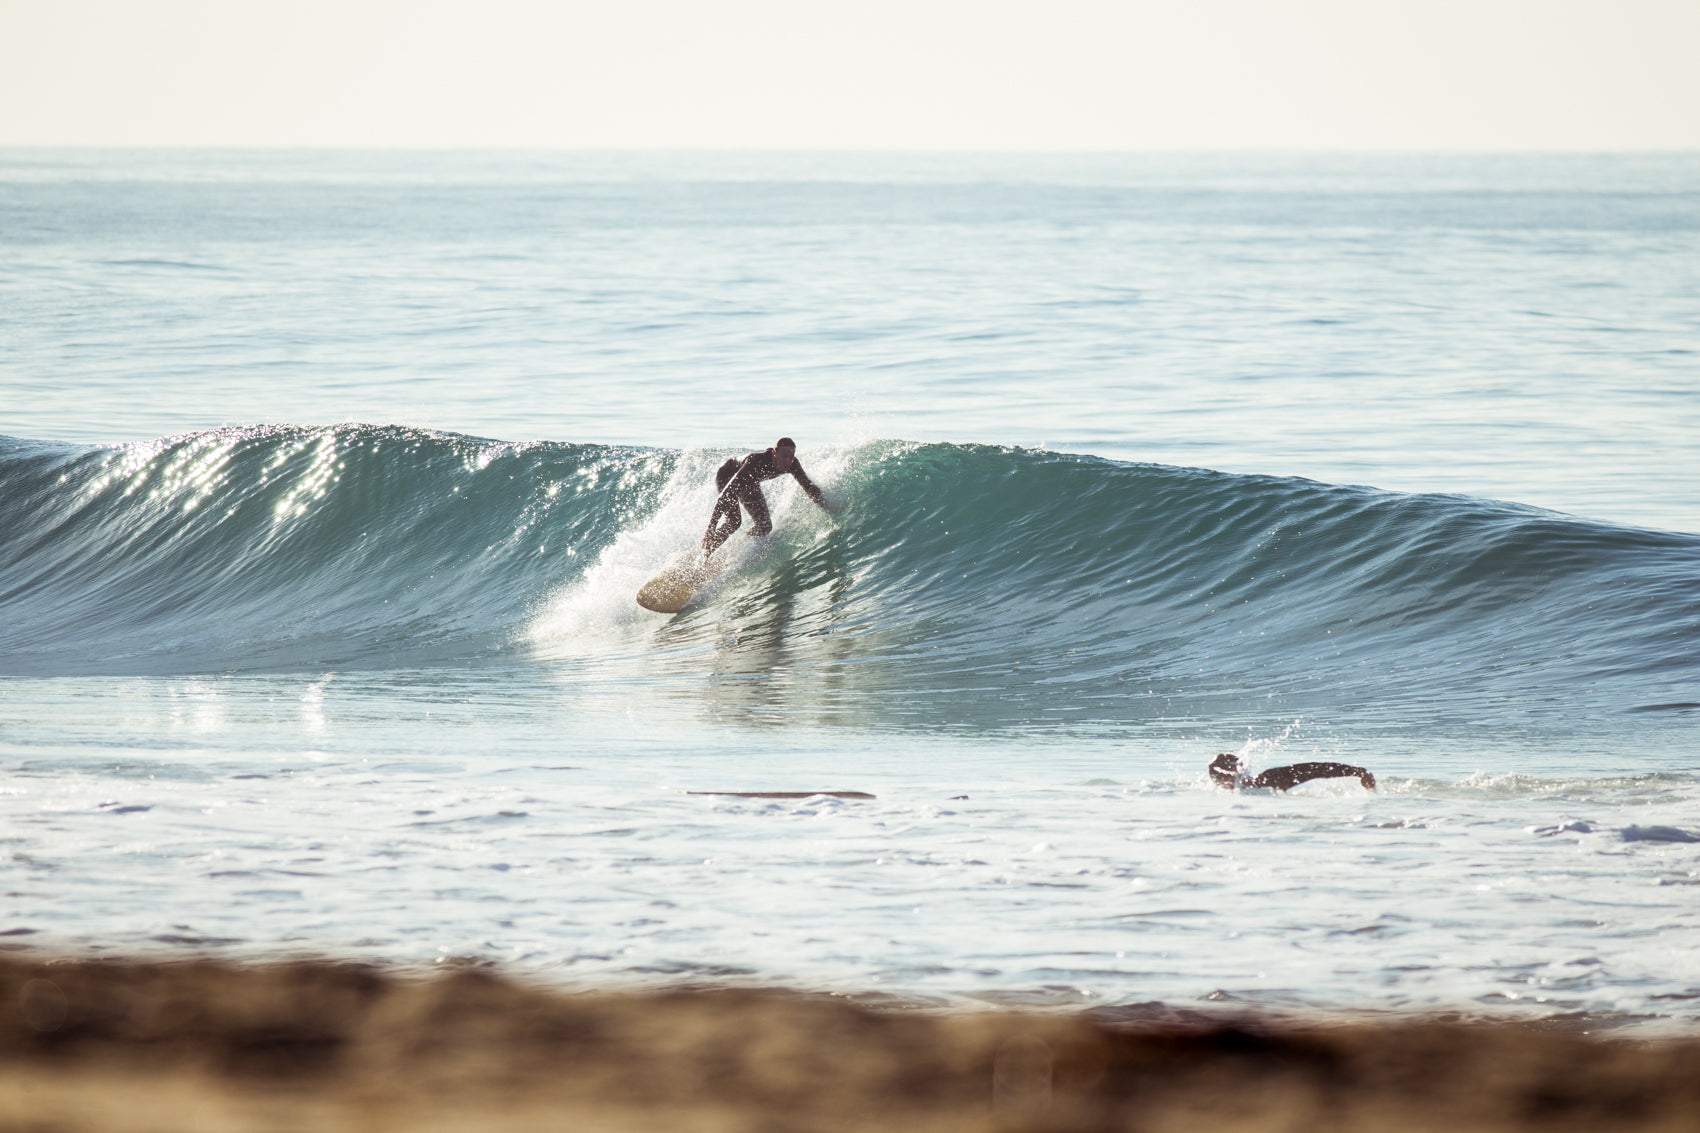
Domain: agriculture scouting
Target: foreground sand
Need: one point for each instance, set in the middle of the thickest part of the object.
(169, 1047)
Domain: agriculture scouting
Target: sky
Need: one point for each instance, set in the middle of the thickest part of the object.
(978, 75)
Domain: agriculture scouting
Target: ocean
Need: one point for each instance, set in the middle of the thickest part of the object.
(327, 478)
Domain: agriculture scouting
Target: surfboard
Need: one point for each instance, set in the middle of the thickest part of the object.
(682, 579)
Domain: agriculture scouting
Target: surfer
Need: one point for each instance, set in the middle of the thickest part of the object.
(1225, 769)
(740, 487)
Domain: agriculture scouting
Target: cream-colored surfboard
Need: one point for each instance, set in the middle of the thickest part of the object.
(682, 579)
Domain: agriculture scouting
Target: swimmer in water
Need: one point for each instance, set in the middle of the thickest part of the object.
(1225, 770)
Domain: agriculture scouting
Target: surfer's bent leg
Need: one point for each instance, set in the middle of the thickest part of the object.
(757, 503)
(725, 508)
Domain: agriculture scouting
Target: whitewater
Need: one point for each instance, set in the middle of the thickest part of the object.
(326, 481)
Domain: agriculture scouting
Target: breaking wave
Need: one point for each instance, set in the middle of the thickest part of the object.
(994, 578)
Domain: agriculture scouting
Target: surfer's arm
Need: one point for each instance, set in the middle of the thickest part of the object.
(1286, 778)
(810, 487)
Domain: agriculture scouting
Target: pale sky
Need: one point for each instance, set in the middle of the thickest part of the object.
(1015, 75)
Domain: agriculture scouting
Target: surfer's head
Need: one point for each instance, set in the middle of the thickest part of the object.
(784, 452)
(1225, 769)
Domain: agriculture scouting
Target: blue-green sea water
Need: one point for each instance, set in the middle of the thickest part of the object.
(327, 479)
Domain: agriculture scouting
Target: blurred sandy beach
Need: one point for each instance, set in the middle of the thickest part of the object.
(138, 1047)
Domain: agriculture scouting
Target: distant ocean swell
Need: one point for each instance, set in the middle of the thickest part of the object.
(1029, 580)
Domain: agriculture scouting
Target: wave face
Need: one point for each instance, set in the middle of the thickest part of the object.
(276, 547)
(964, 583)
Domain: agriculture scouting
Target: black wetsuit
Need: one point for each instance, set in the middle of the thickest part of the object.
(744, 488)
(1225, 770)
(1286, 778)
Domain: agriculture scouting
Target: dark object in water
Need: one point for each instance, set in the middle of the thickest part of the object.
(1658, 834)
(786, 794)
(1225, 769)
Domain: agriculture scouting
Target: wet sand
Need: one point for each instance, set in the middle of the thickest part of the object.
(138, 1047)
